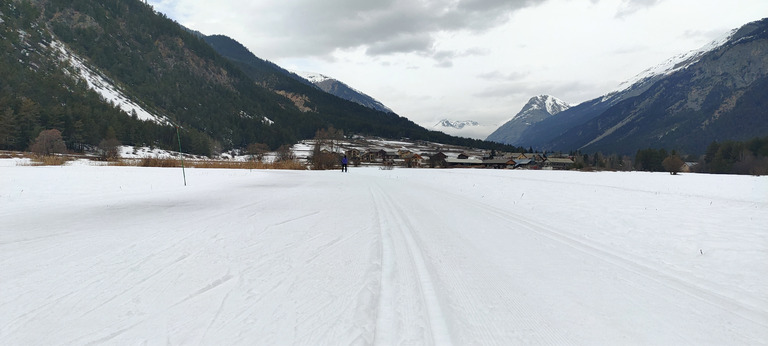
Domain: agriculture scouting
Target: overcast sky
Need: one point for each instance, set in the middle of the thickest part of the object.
(468, 59)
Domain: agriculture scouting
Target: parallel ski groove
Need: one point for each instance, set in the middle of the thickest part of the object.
(403, 229)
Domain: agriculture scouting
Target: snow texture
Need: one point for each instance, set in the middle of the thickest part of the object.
(548, 103)
(463, 128)
(457, 124)
(108, 91)
(312, 77)
(128, 255)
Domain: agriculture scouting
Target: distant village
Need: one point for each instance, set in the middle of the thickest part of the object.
(362, 151)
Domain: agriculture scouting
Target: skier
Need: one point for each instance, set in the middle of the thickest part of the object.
(344, 164)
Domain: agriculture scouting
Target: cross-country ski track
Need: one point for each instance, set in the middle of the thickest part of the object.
(125, 255)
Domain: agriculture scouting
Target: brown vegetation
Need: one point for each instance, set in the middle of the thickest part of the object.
(48, 160)
(174, 162)
(673, 164)
(48, 142)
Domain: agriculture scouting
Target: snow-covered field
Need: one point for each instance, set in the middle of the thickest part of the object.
(124, 255)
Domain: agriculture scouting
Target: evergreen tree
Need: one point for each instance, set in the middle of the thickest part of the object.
(7, 129)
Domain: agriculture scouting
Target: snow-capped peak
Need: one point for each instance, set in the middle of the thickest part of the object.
(312, 76)
(550, 104)
(676, 63)
(457, 124)
(338, 88)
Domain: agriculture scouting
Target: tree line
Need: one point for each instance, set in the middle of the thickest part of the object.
(726, 157)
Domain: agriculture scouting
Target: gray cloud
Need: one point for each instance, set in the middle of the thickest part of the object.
(300, 28)
(567, 91)
(444, 58)
(502, 76)
(403, 43)
(504, 90)
(633, 6)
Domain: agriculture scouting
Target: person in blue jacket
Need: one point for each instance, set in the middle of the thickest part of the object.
(344, 163)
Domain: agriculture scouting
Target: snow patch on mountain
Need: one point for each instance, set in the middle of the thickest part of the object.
(546, 103)
(536, 110)
(108, 91)
(458, 124)
(312, 76)
(340, 89)
(463, 128)
(673, 64)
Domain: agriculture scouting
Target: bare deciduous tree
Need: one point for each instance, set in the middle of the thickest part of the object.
(48, 142)
(284, 153)
(108, 148)
(257, 151)
(323, 154)
(673, 164)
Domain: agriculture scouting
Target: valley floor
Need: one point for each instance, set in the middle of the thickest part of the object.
(126, 255)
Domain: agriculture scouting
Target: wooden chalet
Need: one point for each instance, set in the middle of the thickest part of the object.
(463, 163)
(558, 163)
(499, 163)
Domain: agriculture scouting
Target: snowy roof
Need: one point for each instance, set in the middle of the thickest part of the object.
(463, 161)
(559, 160)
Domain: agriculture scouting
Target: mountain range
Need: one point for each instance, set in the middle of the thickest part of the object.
(116, 68)
(715, 93)
(457, 124)
(464, 128)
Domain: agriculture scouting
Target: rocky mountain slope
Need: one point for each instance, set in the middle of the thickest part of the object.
(340, 89)
(350, 116)
(116, 68)
(715, 93)
(722, 96)
(536, 110)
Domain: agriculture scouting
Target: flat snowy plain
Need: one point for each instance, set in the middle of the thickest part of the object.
(126, 255)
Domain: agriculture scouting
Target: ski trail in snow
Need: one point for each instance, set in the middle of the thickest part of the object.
(216, 283)
(385, 318)
(403, 261)
(485, 299)
(626, 262)
(401, 257)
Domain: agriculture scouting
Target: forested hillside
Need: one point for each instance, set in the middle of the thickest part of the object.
(218, 103)
(340, 113)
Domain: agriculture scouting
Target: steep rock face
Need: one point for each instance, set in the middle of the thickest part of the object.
(536, 110)
(339, 89)
(722, 96)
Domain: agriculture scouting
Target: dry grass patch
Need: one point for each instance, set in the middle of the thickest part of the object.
(172, 162)
(147, 162)
(247, 165)
(49, 160)
(159, 162)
